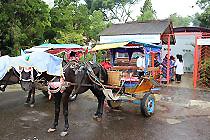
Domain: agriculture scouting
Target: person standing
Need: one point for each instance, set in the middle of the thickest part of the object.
(164, 67)
(156, 62)
(172, 71)
(140, 63)
(179, 64)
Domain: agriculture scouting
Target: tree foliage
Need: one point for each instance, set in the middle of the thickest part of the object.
(203, 3)
(71, 23)
(119, 10)
(147, 12)
(22, 23)
(204, 18)
(179, 21)
(65, 2)
(26, 23)
(195, 20)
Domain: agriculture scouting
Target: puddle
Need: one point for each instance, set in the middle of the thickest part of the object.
(29, 118)
(173, 121)
(198, 103)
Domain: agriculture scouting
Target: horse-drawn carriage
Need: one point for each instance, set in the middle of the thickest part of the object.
(111, 84)
(124, 83)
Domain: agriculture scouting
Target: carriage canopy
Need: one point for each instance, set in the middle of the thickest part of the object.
(129, 47)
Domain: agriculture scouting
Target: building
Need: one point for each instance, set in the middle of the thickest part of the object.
(149, 32)
(185, 42)
(154, 32)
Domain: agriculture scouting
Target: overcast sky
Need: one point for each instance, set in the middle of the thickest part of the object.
(164, 8)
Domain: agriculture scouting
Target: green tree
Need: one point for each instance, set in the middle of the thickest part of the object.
(195, 20)
(147, 12)
(22, 23)
(203, 3)
(69, 23)
(179, 20)
(96, 24)
(119, 10)
(65, 2)
(73, 24)
(204, 17)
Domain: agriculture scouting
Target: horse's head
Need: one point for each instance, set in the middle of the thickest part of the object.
(11, 77)
(27, 76)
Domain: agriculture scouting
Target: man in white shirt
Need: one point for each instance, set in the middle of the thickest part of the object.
(140, 63)
(179, 64)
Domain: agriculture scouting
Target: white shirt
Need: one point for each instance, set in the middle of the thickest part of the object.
(179, 67)
(140, 62)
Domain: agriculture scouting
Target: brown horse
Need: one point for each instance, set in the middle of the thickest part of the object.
(11, 77)
(79, 80)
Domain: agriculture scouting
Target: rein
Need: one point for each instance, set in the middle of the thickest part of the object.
(15, 73)
(91, 75)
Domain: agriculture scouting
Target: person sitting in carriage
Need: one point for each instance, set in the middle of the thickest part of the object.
(140, 63)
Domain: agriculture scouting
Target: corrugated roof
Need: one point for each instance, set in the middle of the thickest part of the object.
(152, 27)
(191, 29)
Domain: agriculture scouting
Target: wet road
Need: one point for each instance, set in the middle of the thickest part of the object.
(178, 116)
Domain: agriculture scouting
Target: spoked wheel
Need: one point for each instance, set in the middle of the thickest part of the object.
(73, 97)
(114, 104)
(148, 105)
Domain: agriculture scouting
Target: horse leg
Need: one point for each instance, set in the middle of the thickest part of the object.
(4, 87)
(101, 97)
(33, 97)
(57, 102)
(65, 110)
(29, 97)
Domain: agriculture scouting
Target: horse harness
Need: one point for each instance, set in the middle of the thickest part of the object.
(55, 87)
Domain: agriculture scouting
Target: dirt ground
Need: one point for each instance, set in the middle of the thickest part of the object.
(181, 113)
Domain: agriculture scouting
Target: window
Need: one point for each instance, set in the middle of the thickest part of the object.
(122, 55)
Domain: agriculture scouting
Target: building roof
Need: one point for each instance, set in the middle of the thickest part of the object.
(191, 29)
(130, 28)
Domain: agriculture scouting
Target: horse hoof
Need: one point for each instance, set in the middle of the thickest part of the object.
(32, 105)
(51, 130)
(94, 116)
(97, 118)
(63, 134)
(25, 103)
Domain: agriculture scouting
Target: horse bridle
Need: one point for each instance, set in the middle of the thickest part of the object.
(29, 69)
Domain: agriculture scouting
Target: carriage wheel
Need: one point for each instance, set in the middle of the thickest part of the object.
(148, 104)
(73, 97)
(113, 104)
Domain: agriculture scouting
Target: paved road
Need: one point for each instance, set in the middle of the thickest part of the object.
(177, 117)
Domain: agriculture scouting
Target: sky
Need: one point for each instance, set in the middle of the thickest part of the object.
(164, 8)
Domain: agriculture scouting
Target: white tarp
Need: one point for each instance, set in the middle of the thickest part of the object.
(41, 61)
